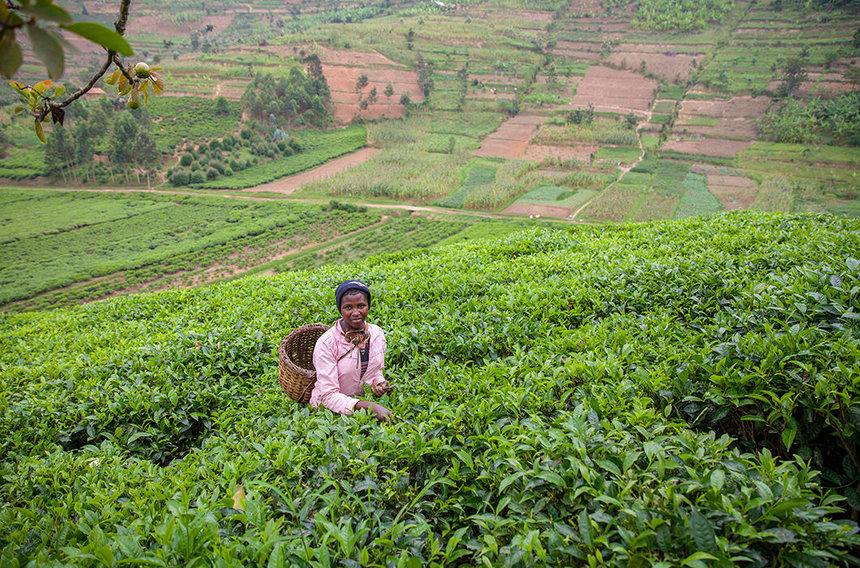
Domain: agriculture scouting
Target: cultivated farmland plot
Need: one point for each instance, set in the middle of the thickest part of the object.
(653, 395)
(697, 85)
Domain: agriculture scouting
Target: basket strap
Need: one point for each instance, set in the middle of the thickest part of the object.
(355, 339)
(351, 349)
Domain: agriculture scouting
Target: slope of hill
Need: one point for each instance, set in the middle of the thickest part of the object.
(665, 394)
(696, 92)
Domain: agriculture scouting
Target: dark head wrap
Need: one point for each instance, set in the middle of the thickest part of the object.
(345, 287)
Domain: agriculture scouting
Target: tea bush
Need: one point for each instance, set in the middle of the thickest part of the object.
(56, 239)
(663, 394)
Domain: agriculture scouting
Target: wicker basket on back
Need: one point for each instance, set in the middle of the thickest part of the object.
(296, 371)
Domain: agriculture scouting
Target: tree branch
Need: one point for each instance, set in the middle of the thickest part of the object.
(112, 57)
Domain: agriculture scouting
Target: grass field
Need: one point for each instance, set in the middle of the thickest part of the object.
(534, 54)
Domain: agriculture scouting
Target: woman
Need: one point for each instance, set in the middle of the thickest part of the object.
(349, 354)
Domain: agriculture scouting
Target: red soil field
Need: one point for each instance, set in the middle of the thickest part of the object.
(734, 131)
(734, 192)
(735, 107)
(163, 27)
(341, 80)
(538, 152)
(829, 85)
(716, 147)
(511, 138)
(666, 64)
(577, 50)
(536, 209)
(611, 90)
(342, 69)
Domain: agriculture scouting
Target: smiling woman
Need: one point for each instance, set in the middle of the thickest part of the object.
(349, 354)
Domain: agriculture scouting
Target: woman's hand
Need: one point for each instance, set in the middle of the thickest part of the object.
(382, 414)
(381, 388)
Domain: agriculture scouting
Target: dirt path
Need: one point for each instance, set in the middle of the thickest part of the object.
(288, 185)
(216, 193)
(624, 169)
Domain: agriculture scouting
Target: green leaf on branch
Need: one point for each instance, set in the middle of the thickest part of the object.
(105, 37)
(40, 132)
(10, 54)
(703, 533)
(586, 532)
(47, 11)
(48, 49)
(789, 434)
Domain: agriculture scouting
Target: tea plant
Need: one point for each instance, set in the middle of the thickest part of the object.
(84, 237)
(657, 394)
(23, 165)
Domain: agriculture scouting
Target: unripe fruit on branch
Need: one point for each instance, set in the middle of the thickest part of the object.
(142, 70)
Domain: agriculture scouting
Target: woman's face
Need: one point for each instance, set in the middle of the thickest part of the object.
(353, 308)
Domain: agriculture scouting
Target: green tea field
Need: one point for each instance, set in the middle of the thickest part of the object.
(63, 248)
(614, 246)
(667, 394)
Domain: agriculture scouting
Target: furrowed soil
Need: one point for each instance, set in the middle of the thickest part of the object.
(661, 60)
(342, 70)
(536, 209)
(512, 138)
(615, 90)
(537, 152)
(731, 129)
(733, 191)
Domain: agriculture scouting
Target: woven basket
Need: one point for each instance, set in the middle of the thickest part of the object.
(296, 371)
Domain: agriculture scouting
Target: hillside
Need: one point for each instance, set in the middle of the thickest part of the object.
(593, 110)
(661, 394)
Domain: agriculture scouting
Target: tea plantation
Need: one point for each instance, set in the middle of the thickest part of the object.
(669, 394)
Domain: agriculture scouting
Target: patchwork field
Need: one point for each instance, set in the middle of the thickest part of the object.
(576, 95)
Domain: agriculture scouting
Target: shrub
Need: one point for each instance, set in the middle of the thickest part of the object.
(180, 178)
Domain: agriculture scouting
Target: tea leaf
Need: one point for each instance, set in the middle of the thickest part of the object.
(703, 533)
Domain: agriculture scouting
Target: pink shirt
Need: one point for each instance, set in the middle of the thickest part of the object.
(339, 382)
